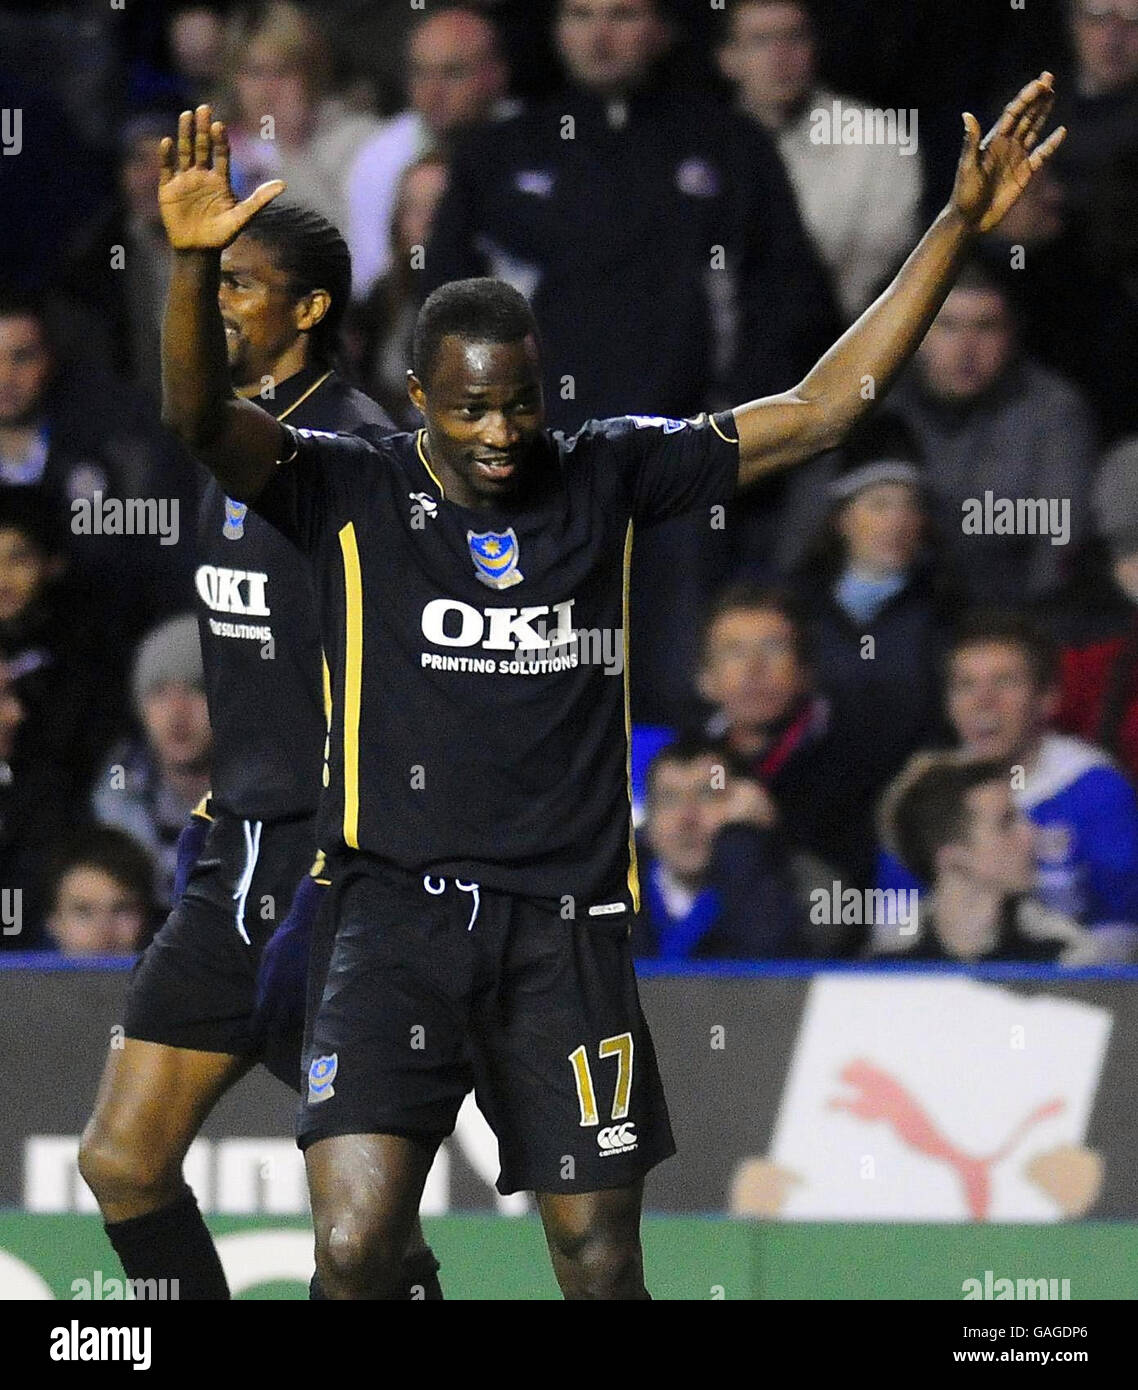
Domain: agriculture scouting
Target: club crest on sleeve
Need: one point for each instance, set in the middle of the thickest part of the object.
(495, 556)
(321, 1074)
(234, 527)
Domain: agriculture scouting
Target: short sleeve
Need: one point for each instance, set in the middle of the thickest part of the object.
(317, 484)
(668, 466)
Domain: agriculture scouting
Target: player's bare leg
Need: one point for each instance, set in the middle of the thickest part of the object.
(152, 1102)
(594, 1242)
(365, 1191)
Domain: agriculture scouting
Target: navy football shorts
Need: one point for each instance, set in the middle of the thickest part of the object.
(195, 986)
(422, 988)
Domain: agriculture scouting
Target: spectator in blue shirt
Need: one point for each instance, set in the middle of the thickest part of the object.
(714, 883)
(1002, 694)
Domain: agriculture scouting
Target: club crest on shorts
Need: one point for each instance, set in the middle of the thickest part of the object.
(321, 1074)
(234, 527)
(495, 556)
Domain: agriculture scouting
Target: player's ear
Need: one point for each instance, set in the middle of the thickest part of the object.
(311, 309)
(416, 393)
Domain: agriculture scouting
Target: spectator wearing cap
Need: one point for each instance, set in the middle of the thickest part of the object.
(1002, 695)
(101, 899)
(957, 828)
(861, 202)
(151, 784)
(55, 650)
(879, 602)
(1100, 677)
(994, 425)
(715, 879)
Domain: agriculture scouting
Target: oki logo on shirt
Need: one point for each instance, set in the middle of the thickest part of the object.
(232, 591)
(448, 623)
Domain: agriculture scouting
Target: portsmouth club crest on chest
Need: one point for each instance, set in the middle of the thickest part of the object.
(234, 527)
(495, 556)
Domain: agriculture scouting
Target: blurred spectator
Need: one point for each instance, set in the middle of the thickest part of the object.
(1100, 676)
(1002, 696)
(150, 785)
(715, 884)
(758, 674)
(381, 328)
(54, 646)
(1098, 101)
(1075, 286)
(860, 202)
(32, 818)
(456, 79)
(663, 252)
(612, 232)
(284, 120)
(958, 829)
(880, 603)
(88, 441)
(996, 429)
(196, 37)
(102, 895)
(122, 265)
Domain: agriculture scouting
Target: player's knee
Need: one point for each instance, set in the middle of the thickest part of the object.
(118, 1167)
(600, 1266)
(358, 1259)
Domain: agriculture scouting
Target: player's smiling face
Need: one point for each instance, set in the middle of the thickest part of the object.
(484, 411)
(265, 321)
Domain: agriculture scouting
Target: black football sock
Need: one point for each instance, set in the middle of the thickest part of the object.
(420, 1279)
(172, 1244)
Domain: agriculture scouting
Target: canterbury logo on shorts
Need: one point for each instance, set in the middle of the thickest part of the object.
(617, 1139)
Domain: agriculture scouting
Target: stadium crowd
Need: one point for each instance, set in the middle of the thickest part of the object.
(911, 665)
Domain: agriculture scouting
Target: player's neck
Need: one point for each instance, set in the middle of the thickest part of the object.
(294, 359)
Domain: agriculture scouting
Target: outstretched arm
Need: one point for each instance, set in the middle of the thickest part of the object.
(858, 370)
(237, 441)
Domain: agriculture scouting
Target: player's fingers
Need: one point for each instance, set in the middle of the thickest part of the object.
(185, 140)
(1040, 156)
(166, 160)
(972, 144)
(262, 195)
(201, 137)
(1023, 101)
(220, 149)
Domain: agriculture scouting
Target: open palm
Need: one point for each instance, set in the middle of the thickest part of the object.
(198, 208)
(993, 172)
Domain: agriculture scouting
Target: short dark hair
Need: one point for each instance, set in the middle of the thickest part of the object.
(1008, 627)
(19, 303)
(688, 749)
(314, 256)
(932, 810)
(481, 310)
(749, 597)
(115, 853)
(981, 272)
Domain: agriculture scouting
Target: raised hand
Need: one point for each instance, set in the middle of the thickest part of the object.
(993, 172)
(198, 208)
